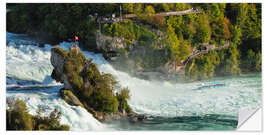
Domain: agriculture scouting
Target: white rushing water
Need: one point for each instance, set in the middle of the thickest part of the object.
(27, 61)
(75, 116)
(183, 99)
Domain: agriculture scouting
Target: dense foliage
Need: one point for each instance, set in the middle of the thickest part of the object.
(18, 118)
(218, 63)
(217, 23)
(129, 31)
(94, 89)
(241, 25)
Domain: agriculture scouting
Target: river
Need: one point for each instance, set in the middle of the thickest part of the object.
(180, 106)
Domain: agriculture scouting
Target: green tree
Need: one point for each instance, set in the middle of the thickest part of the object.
(177, 23)
(236, 35)
(252, 62)
(173, 43)
(128, 7)
(203, 31)
(220, 31)
(18, 117)
(182, 6)
(231, 63)
(138, 8)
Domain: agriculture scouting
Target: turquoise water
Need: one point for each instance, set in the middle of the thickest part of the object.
(207, 109)
(187, 123)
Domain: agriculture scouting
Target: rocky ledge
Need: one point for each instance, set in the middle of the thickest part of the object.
(99, 93)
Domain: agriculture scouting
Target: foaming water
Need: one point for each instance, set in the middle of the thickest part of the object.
(184, 99)
(27, 61)
(28, 71)
(49, 99)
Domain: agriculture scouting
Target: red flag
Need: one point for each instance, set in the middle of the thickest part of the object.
(76, 38)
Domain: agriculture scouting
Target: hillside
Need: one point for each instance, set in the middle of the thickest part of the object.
(153, 40)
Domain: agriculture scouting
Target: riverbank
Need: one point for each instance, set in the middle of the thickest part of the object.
(152, 43)
(177, 103)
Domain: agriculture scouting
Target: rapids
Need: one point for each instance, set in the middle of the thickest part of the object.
(28, 64)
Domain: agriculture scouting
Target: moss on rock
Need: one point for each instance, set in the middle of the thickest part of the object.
(59, 51)
(73, 65)
(70, 98)
(89, 88)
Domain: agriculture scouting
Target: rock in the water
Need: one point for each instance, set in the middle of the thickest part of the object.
(58, 60)
(137, 118)
(85, 86)
(133, 119)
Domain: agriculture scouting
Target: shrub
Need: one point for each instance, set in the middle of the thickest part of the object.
(18, 118)
(122, 99)
(252, 62)
(157, 21)
(50, 122)
(201, 68)
(222, 62)
(220, 31)
(124, 94)
(103, 103)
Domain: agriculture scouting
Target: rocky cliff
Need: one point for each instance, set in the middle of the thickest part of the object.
(85, 86)
(139, 60)
(57, 60)
(108, 43)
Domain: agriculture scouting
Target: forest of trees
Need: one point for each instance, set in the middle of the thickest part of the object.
(238, 23)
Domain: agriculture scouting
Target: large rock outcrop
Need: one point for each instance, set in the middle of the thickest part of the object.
(139, 60)
(57, 60)
(107, 43)
(85, 86)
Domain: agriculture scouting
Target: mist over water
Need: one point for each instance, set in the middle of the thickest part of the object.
(27, 61)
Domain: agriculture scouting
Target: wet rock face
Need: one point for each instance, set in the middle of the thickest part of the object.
(136, 56)
(108, 43)
(137, 118)
(58, 60)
